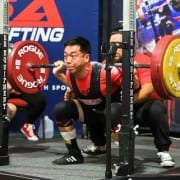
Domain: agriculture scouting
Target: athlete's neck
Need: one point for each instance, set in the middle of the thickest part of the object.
(83, 71)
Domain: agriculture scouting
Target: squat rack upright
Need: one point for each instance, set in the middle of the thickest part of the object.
(125, 165)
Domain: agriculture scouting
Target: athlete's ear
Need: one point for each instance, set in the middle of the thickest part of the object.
(87, 57)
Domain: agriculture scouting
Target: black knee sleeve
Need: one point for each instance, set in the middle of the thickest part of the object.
(64, 113)
(116, 111)
(158, 110)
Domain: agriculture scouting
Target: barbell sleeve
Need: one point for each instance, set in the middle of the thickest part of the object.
(41, 65)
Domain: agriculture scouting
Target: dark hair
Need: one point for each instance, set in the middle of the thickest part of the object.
(117, 30)
(84, 44)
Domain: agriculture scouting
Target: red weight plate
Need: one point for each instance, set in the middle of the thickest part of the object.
(168, 39)
(21, 77)
(10, 72)
(155, 70)
(156, 66)
(170, 70)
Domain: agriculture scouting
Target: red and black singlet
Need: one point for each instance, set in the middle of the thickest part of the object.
(91, 90)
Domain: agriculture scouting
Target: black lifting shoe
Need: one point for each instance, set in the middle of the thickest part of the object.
(69, 159)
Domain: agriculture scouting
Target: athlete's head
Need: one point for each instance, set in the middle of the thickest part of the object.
(76, 54)
(116, 37)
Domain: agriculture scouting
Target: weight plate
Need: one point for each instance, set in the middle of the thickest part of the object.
(156, 72)
(160, 68)
(21, 77)
(171, 67)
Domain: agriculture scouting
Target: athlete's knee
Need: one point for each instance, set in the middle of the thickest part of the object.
(60, 109)
(64, 113)
(116, 111)
(158, 108)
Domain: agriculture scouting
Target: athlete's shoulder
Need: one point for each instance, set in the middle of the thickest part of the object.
(142, 58)
(97, 64)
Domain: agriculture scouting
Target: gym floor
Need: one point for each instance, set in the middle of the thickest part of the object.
(32, 160)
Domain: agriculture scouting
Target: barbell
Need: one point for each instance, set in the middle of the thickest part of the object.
(28, 67)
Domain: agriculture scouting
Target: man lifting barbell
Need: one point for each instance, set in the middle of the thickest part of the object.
(87, 80)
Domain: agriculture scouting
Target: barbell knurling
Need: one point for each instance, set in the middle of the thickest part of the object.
(41, 65)
(135, 65)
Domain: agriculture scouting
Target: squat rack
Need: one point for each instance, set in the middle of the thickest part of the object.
(4, 123)
(125, 166)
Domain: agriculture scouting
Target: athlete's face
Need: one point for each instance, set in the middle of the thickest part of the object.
(74, 59)
(116, 38)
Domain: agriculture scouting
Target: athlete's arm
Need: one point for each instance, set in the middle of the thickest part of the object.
(57, 71)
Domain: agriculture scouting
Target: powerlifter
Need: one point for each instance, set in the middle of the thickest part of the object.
(87, 80)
